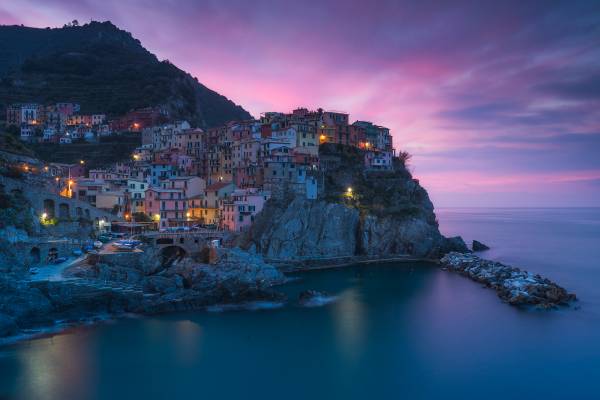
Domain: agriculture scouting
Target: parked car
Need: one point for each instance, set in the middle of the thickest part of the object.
(34, 270)
(77, 252)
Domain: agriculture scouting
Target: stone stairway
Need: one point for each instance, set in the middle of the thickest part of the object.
(94, 285)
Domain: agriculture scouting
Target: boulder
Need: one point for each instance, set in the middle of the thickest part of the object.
(478, 246)
(8, 326)
(159, 284)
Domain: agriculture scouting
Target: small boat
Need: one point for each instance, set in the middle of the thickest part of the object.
(126, 245)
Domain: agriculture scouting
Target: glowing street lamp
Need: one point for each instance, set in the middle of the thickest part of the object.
(44, 215)
(81, 162)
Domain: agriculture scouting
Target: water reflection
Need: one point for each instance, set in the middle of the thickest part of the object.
(350, 323)
(188, 342)
(58, 367)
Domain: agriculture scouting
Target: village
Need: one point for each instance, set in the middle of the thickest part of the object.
(182, 177)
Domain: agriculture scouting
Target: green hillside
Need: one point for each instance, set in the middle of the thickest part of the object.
(104, 69)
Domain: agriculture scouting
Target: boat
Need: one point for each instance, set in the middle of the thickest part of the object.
(126, 245)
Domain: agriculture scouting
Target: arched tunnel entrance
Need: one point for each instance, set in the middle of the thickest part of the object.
(35, 256)
(171, 255)
(52, 254)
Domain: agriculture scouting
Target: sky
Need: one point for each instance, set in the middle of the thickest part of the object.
(497, 101)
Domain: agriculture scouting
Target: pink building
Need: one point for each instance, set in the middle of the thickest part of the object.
(189, 185)
(239, 210)
(168, 206)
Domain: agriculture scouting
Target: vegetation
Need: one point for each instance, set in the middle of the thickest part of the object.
(382, 193)
(105, 70)
(10, 142)
(15, 211)
(109, 150)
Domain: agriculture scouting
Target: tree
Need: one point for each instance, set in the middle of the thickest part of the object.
(404, 157)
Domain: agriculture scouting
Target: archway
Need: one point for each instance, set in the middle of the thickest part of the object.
(78, 212)
(63, 211)
(52, 254)
(87, 213)
(171, 255)
(34, 256)
(49, 207)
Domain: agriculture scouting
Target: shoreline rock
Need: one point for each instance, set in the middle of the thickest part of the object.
(478, 246)
(118, 289)
(513, 285)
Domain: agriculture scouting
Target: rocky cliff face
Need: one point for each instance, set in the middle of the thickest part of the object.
(306, 229)
(387, 213)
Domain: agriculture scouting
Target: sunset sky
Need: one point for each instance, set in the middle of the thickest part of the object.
(499, 102)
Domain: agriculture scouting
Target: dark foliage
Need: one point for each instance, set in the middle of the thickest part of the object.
(104, 69)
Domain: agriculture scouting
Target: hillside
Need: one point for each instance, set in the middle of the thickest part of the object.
(106, 70)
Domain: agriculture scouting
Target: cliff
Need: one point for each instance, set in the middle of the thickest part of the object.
(106, 70)
(387, 213)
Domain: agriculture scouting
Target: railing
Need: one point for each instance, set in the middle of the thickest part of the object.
(198, 232)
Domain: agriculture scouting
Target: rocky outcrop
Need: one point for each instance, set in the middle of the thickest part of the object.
(22, 302)
(478, 246)
(305, 229)
(382, 236)
(234, 276)
(385, 214)
(512, 285)
(314, 298)
(8, 326)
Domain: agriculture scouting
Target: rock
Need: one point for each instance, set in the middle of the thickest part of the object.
(454, 244)
(159, 284)
(22, 302)
(512, 285)
(311, 229)
(314, 298)
(478, 246)
(8, 326)
(306, 228)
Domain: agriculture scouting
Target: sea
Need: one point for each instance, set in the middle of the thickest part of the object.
(384, 331)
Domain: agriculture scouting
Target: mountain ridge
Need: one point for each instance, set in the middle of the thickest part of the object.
(106, 70)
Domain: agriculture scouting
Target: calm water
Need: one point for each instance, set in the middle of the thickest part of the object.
(395, 331)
